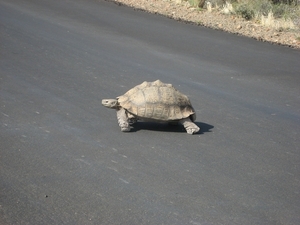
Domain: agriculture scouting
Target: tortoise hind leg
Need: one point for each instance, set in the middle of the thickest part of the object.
(190, 127)
(123, 120)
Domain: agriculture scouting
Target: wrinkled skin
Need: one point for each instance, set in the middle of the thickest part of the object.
(110, 103)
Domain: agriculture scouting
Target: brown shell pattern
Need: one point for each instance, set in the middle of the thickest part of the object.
(158, 101)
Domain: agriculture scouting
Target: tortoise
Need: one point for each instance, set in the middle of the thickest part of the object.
(153, 101)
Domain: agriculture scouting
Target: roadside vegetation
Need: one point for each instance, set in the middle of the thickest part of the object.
(274, 21)
(278, 14)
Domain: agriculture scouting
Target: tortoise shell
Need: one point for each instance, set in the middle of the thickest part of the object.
(157, 101)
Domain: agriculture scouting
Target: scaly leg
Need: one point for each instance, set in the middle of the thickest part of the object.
(123, 120)
(191, 128)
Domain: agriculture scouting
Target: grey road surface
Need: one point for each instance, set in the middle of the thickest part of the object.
(64, 160)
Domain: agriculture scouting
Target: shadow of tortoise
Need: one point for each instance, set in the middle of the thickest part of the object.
(169, 127)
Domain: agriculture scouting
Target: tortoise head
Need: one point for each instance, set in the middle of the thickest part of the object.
(110, 103)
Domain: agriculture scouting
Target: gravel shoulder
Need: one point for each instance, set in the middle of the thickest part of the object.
(215, 19)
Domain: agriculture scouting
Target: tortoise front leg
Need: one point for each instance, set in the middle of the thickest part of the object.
(191, 128)
(123, 120)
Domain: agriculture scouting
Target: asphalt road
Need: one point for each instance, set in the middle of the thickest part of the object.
(64, 160)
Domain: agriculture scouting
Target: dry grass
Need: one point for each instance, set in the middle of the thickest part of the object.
(227, 8)
(278, 24)
(278, 16)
